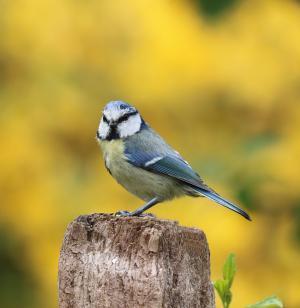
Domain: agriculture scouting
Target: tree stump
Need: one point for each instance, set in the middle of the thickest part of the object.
(109, 261)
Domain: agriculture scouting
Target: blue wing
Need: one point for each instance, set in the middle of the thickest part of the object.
(174, 166)
(167, 164)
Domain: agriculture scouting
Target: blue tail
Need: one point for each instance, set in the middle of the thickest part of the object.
(215, 197)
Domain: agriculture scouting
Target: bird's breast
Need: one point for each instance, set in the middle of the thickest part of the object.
(113, 153)
(146, 185)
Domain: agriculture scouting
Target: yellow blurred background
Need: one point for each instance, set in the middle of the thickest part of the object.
(220, 80)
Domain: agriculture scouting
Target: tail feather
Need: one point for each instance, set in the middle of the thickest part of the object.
(218, 199)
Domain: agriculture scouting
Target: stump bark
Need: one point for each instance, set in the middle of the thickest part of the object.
(109, 261)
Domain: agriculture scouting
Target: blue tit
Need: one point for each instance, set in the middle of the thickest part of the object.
(144, 164)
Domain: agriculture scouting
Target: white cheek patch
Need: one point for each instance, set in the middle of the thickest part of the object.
(130, 126)
(103, 130)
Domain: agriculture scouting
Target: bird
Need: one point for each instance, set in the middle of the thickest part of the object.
(143, 163)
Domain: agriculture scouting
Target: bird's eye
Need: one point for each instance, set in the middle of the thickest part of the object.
(122, 106)
(105, 119)
(126, 116)
(123, 118)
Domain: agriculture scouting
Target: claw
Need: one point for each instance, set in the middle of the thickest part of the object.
(128, 214)
(122, 214)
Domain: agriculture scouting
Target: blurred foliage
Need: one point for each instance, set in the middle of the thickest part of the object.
(225, 94)
(296, 215)
(213, 8)
(15, 278)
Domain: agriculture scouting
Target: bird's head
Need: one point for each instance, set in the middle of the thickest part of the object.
(119, 120)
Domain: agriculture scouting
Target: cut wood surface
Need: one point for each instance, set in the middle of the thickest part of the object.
(109, 261)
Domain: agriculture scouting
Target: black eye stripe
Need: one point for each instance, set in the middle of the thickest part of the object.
(126, 116)
(122, 118)
(105, 119)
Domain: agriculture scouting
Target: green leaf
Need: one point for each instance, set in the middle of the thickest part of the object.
(269, 302)
(229, 269)
(221, 287)
(228, 298)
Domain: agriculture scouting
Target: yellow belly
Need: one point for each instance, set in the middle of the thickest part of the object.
(144, 184)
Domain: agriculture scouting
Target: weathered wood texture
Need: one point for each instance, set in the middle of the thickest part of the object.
(109, 261)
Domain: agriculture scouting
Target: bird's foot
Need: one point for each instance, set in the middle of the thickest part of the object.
(130, 214)
(123, 214)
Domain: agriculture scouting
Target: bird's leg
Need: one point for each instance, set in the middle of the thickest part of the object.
(144, 207)
(140, 210)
